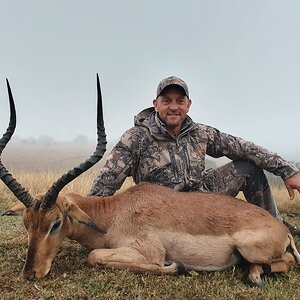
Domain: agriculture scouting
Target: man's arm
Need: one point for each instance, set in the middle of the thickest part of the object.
(113, 173)
(222, 144)
(118, 166)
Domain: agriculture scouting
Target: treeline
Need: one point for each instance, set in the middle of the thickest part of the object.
(54, 152)
(47, 140)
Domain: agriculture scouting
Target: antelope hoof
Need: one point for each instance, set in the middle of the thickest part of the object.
(267, 269)
(181, 269)
(255, 280)
(93, 259)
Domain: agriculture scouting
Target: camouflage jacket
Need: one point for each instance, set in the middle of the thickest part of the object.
(147, 152)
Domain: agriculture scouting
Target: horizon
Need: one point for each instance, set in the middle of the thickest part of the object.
(240, 60)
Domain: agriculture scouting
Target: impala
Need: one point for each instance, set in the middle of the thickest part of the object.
(147, 228)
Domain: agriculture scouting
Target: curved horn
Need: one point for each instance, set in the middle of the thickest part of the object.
(21, 193)
(52, 193)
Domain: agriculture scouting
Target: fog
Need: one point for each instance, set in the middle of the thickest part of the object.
(240, 60)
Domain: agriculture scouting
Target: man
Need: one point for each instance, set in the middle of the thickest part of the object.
(166, 147)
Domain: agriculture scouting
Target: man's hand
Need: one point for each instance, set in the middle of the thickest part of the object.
(292, 183)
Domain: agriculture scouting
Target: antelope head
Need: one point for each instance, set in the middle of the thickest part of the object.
(47, 217)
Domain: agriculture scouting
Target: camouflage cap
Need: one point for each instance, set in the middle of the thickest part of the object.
(169, 81)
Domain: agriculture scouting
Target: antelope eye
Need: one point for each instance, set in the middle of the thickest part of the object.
(55, 226)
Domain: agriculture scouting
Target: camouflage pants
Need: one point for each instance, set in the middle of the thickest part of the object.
(242, 176)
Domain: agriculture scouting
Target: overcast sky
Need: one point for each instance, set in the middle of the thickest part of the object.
(240, 59)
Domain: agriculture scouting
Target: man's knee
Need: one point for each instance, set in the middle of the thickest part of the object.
(244, 167)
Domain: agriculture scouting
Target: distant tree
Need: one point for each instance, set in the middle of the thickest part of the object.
(24, 141)
(46, 140)
(297, 164)
(80, 140)
(29, 141)
(16, 139)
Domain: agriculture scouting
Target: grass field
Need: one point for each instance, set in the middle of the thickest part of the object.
(71, 278)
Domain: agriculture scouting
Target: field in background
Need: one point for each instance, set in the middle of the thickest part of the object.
(71, 278)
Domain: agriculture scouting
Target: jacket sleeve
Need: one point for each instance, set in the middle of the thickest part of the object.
(222, 144)
(117, 167)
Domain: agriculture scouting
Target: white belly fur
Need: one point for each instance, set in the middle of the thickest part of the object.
(200, 253)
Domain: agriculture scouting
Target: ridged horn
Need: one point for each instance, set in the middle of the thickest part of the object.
(21, 193)
(52, 193)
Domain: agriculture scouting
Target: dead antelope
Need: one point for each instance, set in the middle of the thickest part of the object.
(148, 225)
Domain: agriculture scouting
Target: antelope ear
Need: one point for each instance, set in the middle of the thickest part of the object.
(77, 214)
(16, 210)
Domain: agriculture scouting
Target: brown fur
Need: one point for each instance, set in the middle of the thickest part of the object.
(148, 225)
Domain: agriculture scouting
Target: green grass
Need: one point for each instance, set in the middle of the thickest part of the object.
(71, 278)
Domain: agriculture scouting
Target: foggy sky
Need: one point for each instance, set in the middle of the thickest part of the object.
(239, 58)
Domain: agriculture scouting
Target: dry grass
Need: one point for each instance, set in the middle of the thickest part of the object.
(284, 204)
(71, 278)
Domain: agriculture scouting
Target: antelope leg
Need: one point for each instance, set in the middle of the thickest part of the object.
(128, 258)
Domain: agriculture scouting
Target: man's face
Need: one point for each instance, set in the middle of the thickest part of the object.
(172, 106)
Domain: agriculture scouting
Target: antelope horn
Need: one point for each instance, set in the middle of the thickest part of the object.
(52, 193)
(21, 193)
